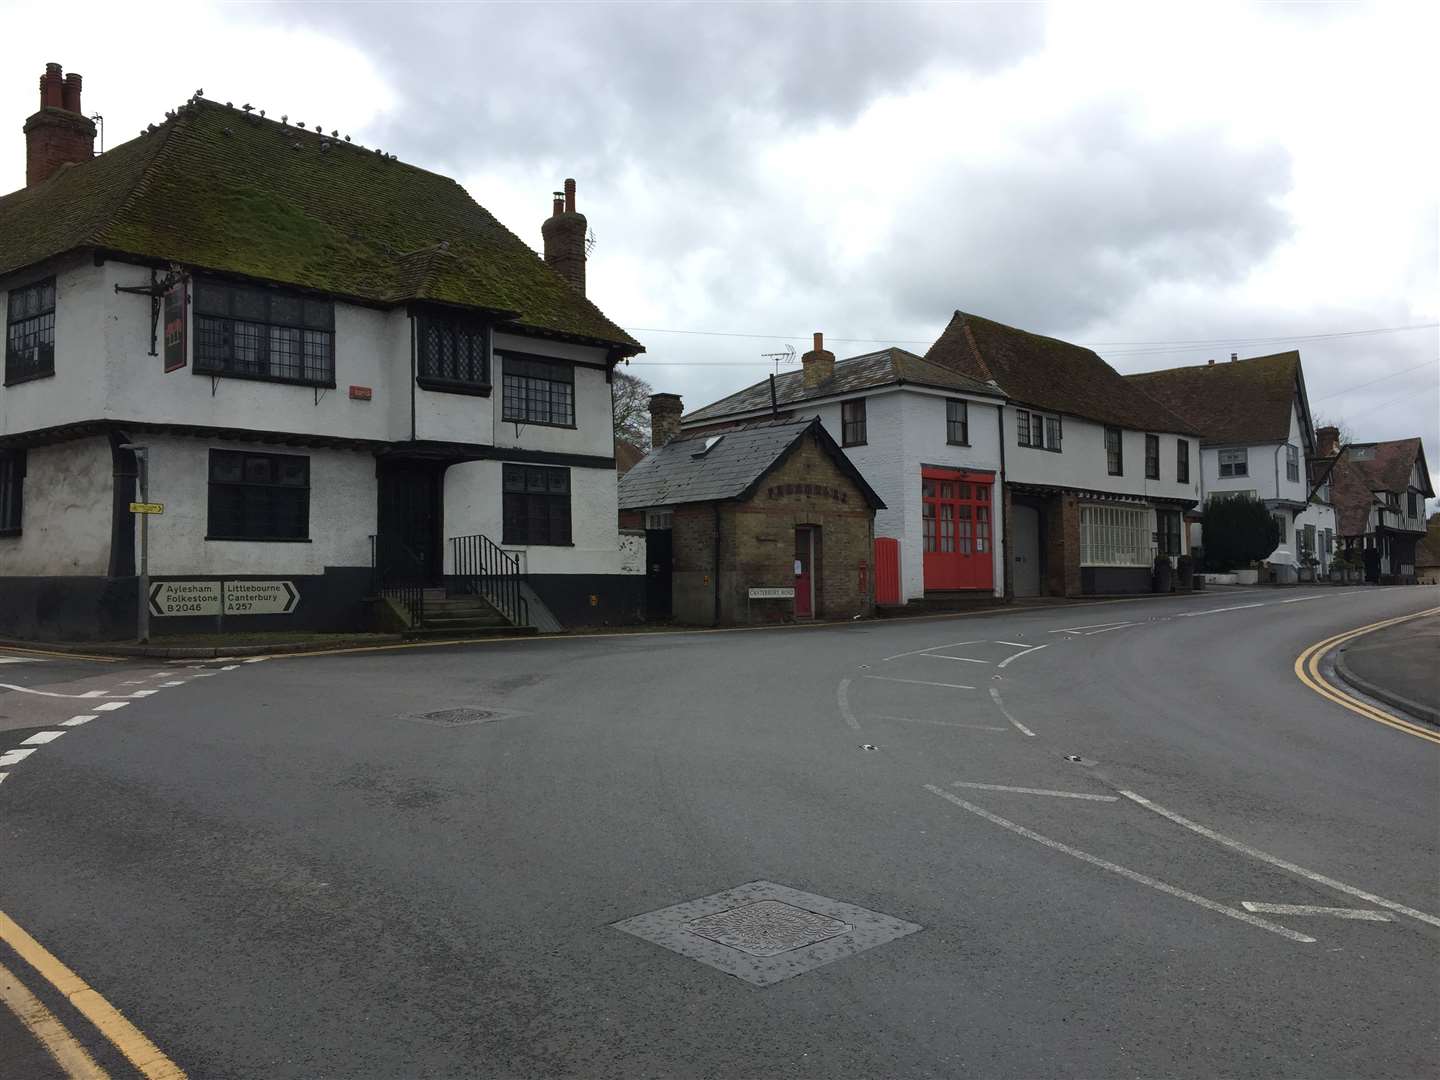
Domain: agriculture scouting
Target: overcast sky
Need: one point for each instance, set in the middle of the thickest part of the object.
(1198, 180)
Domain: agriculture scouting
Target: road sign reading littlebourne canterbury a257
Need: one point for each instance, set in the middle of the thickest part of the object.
(241, 598)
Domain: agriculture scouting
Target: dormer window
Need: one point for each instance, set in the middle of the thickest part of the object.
(247, 332)
(30, 332)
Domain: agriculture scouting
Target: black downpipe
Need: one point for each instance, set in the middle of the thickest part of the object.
(716, 507)
(1008, 587)
(122, 523)
(413, 344)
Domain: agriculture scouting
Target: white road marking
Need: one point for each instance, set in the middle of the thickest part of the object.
(1115, 868)
(255, 660)
(1011, 659)
(942, 723)
(21, 660)
(842, 698)
(995, 696)
(76, 721)
(1017, 644)
(920, 682)
(111, 706)
(14, 757)
(3, 775)
(1255, 853)
(1117, 626)
(51, 693)
(174, 682)
(1310, 909)
(144, 693)
(1077, 629)
(229, 667)
(962, 659)
(1215, 610)
(932, 648)
(133, 682)
(1302, 599)
(40, 738)
(205, 674)
(1037, 791)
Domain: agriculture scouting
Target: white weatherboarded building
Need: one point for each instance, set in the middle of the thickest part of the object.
(344, 372)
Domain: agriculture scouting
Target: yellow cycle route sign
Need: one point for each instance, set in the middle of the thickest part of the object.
(147, 508)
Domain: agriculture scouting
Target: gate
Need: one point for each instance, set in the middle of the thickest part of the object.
(887, 570)
(659, 565)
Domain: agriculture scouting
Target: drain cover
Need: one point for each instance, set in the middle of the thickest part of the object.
(1078, 759)
(455, 717)
(767, 928)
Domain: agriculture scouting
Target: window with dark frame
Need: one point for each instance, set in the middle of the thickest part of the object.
(1412, 505)
(1167, 526)
(1182, 460)
(1152, 457)
(1052, 433)
(247, 332)
(538, 391)
(452, 353)
(258, 496)
(1114, 452)
(30, 332)
(852, 423)
(536, 505)
(1022, 427)
(1292, 463)
(1234, 463)
(12, 491)
(957, 422)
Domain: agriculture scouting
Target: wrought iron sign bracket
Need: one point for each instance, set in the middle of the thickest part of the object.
(156, 291)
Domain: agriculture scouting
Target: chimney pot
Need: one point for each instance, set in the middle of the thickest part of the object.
(570, 196)
(1234, 357)
(818, 364)
(58, 133)
(70, 93)
(564, 234)
(1327, 441)
(665, 411)
(52, 94)
(557, 207)
(1211, 361)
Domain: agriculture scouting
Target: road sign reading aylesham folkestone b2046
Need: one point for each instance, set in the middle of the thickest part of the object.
(185, 598)
(240, 597)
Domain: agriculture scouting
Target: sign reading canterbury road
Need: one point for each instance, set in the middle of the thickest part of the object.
(241, 597)
(772, 594)
(260, 597)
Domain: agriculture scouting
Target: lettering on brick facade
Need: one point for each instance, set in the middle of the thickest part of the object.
(824, 491)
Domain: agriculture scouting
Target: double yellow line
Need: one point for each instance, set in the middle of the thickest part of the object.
(1307, 670)
(147, 1058)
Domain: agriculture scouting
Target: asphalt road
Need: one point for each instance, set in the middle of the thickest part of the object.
(287, 869)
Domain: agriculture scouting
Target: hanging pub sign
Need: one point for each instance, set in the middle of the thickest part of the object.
(176, 298)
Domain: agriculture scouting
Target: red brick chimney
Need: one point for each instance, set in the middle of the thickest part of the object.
(564, 232)
(665, 410)
(1327, 441)
(819, 363)
(59, 134)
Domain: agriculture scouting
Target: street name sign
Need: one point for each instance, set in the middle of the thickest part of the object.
(147, 508)
(772, 594)
(185, 598)
(260, 597)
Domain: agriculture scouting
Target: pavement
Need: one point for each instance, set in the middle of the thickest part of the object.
(1119, 839)
(1399, 665)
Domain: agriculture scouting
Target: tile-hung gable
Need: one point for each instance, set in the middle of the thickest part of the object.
(215, 188)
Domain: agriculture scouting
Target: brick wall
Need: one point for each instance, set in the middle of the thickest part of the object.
(1062, 546)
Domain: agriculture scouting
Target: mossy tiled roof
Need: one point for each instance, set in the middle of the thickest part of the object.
(214, 188)
(1240, 403)
(1048, 373)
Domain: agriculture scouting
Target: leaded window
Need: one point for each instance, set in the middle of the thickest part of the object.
(1152, 457)
(957, 422)
(539, 392)
(258, 496)
(852, 423)
(1037, 430)
(1182, 460)
(1114, 452)
(1292, 463)
(12, 491)
(248, 332)
(1022, 427)
(30, 332)
(1115, 536)
(1234, 462)
(452, 352)
(536, 505)
(1052, 433)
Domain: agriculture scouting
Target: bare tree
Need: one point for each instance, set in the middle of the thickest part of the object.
(630, 400)
(1347, 436)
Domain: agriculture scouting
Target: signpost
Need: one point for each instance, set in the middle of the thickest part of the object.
(260, 597)
(147, 508)
(175, 302)
(223, 598)
(185, 598)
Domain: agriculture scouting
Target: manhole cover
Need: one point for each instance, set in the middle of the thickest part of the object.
(767, 928)
(455, 717)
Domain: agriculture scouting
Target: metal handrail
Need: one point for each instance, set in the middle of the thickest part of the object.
(481, 567)
(407, 591)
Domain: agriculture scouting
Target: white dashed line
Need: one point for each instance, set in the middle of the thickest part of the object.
(144, 693)
(255, 660)
(3, 775)
(943, 723)
(40, 738)
(1255, 853)
(111, 706)
(1116, 868)
(205, 674)
(174, 682)
(1036, 791)
(76, 721)
(1363, 914)
(1011, 659)
(1300, 599)
(920, 682)
(229, 667)
(842, 698)
(995, 696)
(962, 659)
(1216, 610)
(1016, 644)
(932, 648)
(14, 757)
(1117, 626)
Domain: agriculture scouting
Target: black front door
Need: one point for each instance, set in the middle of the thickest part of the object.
(659, 564)
(410, 522)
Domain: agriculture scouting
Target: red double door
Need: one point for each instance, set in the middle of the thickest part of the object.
(956, 517)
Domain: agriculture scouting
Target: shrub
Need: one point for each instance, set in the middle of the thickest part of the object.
(1238, 531)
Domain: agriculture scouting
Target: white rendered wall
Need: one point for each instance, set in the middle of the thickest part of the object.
(65, 525)
(1265, 464)
(474, 504)
(342, 512)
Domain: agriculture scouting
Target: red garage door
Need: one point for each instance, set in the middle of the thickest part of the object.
(887, 570)
(957, 538)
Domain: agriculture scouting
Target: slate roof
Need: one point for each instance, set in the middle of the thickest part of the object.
(887, 367)
(1244, 402)
(679, 472)
(217, 189)
(1355, 480)
(1048, 373)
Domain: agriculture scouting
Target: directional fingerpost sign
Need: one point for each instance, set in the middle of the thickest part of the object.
(147, 508)
(185, 598)
(260, 597)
